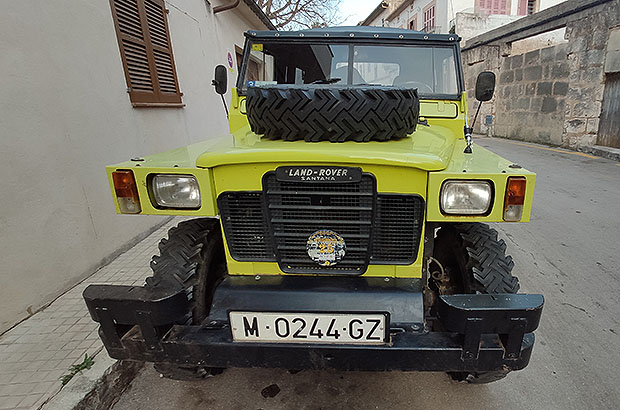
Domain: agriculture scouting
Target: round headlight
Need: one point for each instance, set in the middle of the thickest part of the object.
(176, 191)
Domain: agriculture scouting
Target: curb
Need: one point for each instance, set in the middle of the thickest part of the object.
(605, 152)
(97, 388)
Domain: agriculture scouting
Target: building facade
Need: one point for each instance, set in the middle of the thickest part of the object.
(85, 84)
(438, 16)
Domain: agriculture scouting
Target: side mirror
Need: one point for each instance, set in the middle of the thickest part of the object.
(485, 86)
(220, 80)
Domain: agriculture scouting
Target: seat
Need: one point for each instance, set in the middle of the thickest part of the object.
(342, 72)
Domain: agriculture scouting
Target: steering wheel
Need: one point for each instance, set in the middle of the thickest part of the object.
(417, 85)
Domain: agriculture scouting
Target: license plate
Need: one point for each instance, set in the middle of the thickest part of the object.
(341, 328)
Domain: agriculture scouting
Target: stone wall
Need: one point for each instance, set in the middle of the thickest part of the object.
(587, 46)
(532, 90)
(550, 95)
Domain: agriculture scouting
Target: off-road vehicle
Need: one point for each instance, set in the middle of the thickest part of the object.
(342, 224)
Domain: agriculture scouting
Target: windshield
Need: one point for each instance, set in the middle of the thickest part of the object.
(430, 69)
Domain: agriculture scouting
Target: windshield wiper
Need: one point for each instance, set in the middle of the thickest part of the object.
(326, 81)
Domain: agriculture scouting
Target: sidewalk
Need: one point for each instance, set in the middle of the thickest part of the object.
(35, 354)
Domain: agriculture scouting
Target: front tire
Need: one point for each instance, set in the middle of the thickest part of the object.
(191, 258)
(476, 262)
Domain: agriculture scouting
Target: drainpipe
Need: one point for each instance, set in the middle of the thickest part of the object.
(225, 7)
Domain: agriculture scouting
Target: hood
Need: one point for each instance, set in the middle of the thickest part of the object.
(428, 148)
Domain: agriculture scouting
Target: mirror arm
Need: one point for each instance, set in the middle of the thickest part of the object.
(225, 106)
(473, 123)
(468, 130)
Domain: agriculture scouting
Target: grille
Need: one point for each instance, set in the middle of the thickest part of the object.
(398, 225)
(297, 210)
(245, 226)
(274, 225)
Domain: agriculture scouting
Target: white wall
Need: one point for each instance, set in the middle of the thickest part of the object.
(540, 41)
(65, 114)
(545, 4)
(469, 25)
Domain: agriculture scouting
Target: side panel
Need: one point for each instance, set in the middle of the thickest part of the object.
(481, 164)
(142, 175)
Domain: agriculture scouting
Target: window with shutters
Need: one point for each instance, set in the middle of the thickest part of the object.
(429, 18)
(527, 7)
(146, 52)
(493, 6)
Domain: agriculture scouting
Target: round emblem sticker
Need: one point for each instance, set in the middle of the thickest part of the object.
(326, 247)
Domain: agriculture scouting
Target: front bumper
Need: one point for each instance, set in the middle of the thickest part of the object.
(479, 332)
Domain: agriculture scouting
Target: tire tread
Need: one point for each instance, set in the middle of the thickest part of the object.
(332, 113)
(180, 254)
(487, 259)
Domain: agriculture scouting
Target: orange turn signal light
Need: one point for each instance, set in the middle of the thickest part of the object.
(514, 199)
(126, 192)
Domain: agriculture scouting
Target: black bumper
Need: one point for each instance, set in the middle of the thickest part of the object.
(479, 332)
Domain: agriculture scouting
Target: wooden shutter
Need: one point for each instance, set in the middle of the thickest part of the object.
(146, 52)
(494, 6)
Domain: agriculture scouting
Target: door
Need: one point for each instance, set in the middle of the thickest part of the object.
(609, 125)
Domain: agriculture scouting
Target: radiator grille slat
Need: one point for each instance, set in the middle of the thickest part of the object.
(245, 226)
(345, 208)
(398, 227)
(274, 224)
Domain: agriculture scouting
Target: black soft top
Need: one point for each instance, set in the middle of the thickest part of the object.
(354, 32)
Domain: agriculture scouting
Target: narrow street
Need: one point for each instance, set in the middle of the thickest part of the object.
(570, 252)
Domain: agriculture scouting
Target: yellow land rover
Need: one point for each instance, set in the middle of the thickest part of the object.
(341, 224)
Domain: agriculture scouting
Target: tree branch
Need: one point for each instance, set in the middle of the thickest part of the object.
(296, 14)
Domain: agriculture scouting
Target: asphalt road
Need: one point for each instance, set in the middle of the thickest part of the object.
(570, 252)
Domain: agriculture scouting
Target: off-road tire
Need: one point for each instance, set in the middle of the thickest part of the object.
(477, 259)
(191, 258)
(332, 113)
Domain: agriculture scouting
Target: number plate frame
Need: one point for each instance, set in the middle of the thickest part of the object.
(342, 325)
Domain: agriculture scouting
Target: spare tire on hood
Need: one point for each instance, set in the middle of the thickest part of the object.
(332, 113)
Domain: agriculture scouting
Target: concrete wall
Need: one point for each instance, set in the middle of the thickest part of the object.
(540, 41)
(469, 25)
(553, 94)
(545, 4)
(65, 114)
